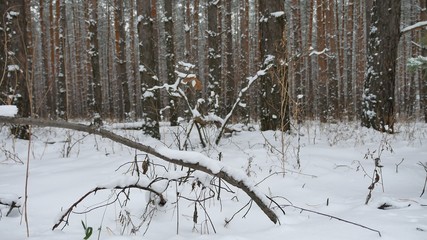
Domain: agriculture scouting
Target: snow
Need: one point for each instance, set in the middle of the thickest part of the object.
(8, 110)
(318, 52)
(413, 26)
(187, 66)
(269, 59)
(147, 94)
(278, 14)
(337, 161)
(13, 13)
(142, 68)
(12, 68)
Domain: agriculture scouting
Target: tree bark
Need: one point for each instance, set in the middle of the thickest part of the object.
(322, 62)
(170, 60)
(15, 64)
(214, 55)
(220, 170)
(423, 78)
(95, 101)
(119, 25)
(383, 39)
(61, 81)
(148, 67)
(274, 85)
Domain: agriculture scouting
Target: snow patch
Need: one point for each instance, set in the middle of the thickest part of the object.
(278, 14)
(13, 68)
(8, 110)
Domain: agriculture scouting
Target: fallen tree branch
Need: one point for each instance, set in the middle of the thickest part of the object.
(192, 160)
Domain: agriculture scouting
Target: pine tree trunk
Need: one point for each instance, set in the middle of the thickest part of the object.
(15, 62)
(348, 60)
(378, 95)
(61, 81)
(332, 60)
(423, 78)
(147, 36)
(95, 101)
(274, 86)
(214, 55)
(230, 84)
(297, 62)
(119, 24)
(170, 60)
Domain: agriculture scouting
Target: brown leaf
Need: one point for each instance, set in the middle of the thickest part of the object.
(145, 165)
(195, 216)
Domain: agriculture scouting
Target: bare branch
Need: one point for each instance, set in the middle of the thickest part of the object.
(337, 218)
(70, 209)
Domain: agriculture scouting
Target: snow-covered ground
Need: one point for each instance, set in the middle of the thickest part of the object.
(337, 166)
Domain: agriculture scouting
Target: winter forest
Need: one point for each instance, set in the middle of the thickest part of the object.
(213, 113)
(128, 60)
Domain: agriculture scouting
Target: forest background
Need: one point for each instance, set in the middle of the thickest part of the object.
(74, 59)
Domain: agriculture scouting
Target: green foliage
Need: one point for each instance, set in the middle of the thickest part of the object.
(88, 231)
(415, 63)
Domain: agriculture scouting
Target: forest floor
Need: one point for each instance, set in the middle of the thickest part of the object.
(337, 166)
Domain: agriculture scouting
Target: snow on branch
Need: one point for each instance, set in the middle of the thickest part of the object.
(413, 27)
(194, 160)
(251, 80)
(10, 200)
(314, 52)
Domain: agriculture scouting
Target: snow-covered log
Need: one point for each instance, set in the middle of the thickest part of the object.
(192, 160)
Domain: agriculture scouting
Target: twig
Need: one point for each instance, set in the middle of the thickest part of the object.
(27, 173)
(11, 204)
(209, 218)
(425, 181)
(277, 173)
(397, 165)
(227, 221)
(334, 217)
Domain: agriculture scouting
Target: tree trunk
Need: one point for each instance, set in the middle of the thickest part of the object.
(230, 84)
(14, 83)
(378, 95)
(244, 61)
(297, 62)
(95, 101)
(322, 62)
(15, 77)
(214, 55)
(61, 81)
(148, 67)
(332, 75)
(423, 78)
(274, 85)
(348, 60)
(119, 24)
(170, 60)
